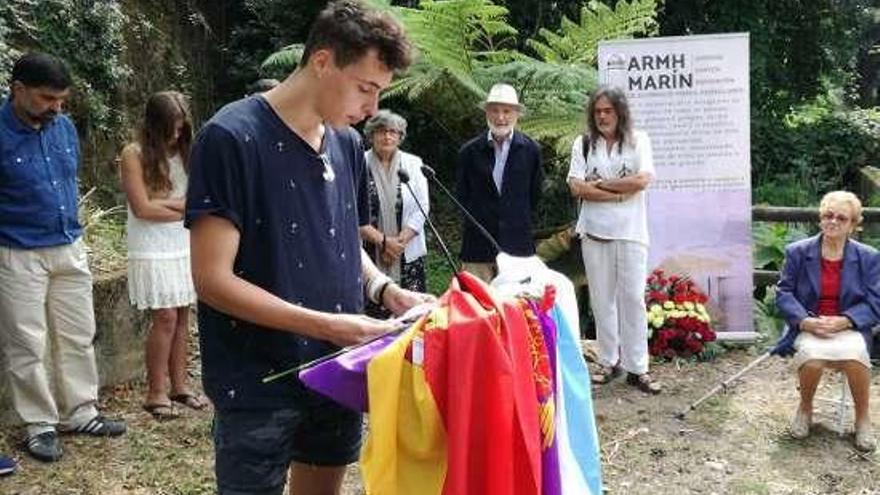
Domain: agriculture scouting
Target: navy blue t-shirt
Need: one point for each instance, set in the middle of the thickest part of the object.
(299, 240)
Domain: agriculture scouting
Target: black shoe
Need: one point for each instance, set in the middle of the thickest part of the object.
(606, 374)
(44, 447)
(99, 426)
(644, 382)
(7, 465)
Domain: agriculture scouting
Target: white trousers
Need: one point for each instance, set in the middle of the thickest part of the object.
(46, 295)
(616, 273)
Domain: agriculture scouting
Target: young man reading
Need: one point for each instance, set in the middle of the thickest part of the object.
(276, 195)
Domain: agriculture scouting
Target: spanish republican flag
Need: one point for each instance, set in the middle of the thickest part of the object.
(405, 452)
(453, 408)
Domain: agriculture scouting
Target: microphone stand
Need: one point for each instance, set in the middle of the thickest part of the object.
(431, 174)
(404, 178)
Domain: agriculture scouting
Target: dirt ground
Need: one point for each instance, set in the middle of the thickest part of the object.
(736, 443)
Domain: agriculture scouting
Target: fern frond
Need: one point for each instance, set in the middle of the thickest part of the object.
(284, 60)
(577, 42)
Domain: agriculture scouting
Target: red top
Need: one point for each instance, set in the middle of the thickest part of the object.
(829, 293)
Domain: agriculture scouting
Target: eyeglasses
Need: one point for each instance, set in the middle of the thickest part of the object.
(831, 216)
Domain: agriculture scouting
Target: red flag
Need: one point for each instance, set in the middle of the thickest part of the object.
(479, 370)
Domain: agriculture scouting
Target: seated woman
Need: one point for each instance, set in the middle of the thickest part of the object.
(829, 294)
(395, 236)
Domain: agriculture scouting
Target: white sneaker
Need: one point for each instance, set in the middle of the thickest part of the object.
(865, 441)
(800, 425)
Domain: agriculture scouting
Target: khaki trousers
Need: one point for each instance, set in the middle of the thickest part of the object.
(616, 273)
(46, 298)
(484, 271)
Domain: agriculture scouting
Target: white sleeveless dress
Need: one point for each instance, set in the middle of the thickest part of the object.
(158, 255)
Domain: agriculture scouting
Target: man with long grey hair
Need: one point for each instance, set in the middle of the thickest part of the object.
(611, 165)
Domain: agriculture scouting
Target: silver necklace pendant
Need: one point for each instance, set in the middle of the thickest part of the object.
(329, 174)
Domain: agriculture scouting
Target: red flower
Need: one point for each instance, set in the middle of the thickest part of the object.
(679, 336)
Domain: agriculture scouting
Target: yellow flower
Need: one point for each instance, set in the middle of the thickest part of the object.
(669, 305)
(657, 322)
(701, 308)
(688, 305)
(655, 308)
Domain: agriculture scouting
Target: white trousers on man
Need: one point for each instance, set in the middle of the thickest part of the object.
(616, 272)
(46, 293)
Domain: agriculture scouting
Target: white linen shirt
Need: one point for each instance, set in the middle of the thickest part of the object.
(627, 220)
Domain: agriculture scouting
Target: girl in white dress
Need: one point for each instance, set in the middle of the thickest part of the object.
(154, 177)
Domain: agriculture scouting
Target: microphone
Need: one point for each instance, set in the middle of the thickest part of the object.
(404, 178)
(429, 172)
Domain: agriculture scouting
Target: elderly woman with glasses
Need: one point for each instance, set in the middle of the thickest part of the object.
(395, 237)
(829, 294)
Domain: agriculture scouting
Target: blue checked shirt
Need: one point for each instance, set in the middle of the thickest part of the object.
(38, 186)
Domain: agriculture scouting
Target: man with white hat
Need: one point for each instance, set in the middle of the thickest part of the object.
(499, 181)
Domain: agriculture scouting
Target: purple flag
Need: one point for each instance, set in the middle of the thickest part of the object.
(344, 378)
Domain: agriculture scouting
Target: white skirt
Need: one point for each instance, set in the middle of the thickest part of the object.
(160, 283)
(842, 346)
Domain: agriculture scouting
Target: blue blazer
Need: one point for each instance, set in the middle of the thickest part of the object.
(507, 216)
(798, 290)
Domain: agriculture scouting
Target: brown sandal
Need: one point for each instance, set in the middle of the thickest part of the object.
(644, 382)
(161, 412)
(191, 401)
(606, 374)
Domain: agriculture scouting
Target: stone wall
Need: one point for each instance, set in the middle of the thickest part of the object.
(118, 340)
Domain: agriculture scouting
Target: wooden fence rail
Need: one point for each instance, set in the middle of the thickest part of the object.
(794, 214)
(802, 214)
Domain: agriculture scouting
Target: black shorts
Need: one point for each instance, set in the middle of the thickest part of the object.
(254, 448)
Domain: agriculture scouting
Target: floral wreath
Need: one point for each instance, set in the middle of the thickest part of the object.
(678, 323)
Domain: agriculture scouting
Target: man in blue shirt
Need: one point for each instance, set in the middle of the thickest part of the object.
(45, 283)
(276, 194)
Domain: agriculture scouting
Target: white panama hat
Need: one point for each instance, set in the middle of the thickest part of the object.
(504, 94)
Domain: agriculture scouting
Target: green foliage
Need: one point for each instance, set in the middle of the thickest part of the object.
(797, 46)
(104, 234)
(439, 273)
(258, 29)
(711, 351)
(554, 96)
(770, 240)
(768, 319)
(7, 54)
(282, 62)
(89, 37)
(466, 46)
(804, 77)
(455, 38)
(815, 149)
(578, 42)
(782, 189)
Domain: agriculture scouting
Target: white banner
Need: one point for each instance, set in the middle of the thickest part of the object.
(691, 95)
